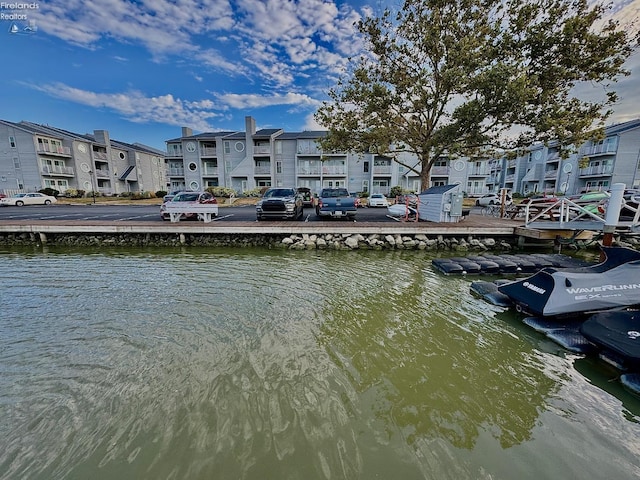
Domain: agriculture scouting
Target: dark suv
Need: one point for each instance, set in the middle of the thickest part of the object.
(280, 203)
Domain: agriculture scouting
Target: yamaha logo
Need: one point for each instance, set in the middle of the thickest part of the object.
(534, 288)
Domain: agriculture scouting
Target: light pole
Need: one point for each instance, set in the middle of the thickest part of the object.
(93, 188)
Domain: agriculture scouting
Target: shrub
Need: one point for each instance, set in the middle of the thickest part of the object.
(256, 192)
(126, 194)
(224, 192)
(396, 191)
(50, 191)
(160, 193)
(74, 193)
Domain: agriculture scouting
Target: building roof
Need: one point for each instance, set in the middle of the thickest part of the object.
(440, 189)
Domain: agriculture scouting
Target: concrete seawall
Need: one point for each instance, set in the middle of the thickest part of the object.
(476, 233)
(292, 235)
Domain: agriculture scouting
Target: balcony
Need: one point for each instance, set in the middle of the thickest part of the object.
(601, 149)
(53, 170)
(99, 155)
(102, 173)
(262, 150)
(596, 170)
(208, 152)
(335, 171)
(53, 150)
(382, 169)
(315, 171)
(210, 172)
(176, 172)
(174, 152)
(262, 169)
(309, 150)
(479, 171)
(551, 174)
(440, 171)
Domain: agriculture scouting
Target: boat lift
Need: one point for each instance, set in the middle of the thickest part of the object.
(573, 217)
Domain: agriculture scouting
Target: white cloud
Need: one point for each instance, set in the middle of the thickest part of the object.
(272, 40)
(257, 101)
(139, 108)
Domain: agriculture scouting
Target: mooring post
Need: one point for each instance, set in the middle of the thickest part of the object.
(613, 213)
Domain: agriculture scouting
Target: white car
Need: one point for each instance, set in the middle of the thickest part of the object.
(493, 199)
(35, 198)
(378, 200)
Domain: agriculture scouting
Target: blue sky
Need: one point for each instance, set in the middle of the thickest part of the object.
(143, 69)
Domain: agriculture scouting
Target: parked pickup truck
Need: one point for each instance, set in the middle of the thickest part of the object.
(336, 202)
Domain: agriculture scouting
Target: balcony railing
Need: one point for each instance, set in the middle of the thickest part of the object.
(596, 170)
(174, 152)
(99, 155)
(176, 172)
(55, 170)
(55, 149)
(102, 173)
(479, 171)
(334, 170)
(208, 152)
(440, 170)
(262, 170)
(309, 171)
(308, 150)
(382, 170)
(262, 149)
(551, 174)
(600, 149)
(210, 172)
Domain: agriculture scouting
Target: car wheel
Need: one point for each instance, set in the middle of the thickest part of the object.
(477, 203)
(491, 202)
(258, 218)
(47, 202)
(19, 203)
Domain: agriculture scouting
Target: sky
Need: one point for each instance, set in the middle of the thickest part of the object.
(144, 69)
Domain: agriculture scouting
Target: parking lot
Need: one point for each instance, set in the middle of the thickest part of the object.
(151, 213)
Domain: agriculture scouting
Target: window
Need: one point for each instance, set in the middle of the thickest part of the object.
(279, 147)
(227, 147)
(12, 142)
(16, 163)
(193, 167)
(366, 167)
(239, 146)
(278, 167)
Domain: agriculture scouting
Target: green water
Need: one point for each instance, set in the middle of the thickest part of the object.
(258, 364)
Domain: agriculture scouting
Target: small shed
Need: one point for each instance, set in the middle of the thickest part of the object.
(441, 204)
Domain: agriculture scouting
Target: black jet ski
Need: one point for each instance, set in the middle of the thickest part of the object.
(617, 335)
(612, 284)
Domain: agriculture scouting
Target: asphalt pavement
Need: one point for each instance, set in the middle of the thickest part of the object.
(151, 213)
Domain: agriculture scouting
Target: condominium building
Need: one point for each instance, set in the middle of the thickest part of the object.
(596, 165)
(255, 158)
(33, 157)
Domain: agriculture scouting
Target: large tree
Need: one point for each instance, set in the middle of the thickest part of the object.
(457, 77)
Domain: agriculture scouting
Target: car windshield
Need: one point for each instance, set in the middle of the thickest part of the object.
(279, 192)
(186, 197)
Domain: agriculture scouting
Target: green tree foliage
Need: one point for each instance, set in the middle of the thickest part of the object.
(459, 77)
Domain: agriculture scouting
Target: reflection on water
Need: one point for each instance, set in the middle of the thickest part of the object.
(270, 364)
